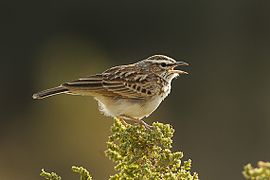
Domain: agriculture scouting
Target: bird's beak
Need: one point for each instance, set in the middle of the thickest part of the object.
(179, 63)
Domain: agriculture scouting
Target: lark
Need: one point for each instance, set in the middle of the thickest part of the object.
(128, 92)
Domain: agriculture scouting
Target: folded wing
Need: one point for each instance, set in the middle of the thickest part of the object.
(121, 83)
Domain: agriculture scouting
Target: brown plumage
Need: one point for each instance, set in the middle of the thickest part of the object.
(132, 91)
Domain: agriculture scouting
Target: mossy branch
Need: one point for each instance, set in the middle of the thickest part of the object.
(84, 174)
(141, 153)
(262, 172)
(49, 176)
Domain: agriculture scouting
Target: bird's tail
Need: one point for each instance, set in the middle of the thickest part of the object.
(50, 92)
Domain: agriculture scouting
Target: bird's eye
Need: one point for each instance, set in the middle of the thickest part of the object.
(163, 64)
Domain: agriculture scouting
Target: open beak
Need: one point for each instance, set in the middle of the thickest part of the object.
(179, 63)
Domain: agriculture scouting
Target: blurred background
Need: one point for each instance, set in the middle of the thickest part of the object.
(221, 111)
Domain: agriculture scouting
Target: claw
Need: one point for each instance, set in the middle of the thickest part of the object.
(124, 118)
(122, 121)
(147, 126)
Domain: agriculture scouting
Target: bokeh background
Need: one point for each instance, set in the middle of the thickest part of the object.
(221, 111)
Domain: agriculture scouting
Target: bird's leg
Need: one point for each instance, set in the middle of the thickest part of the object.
(137, 121)
(125, 118)
(147, 126)
(122, 120)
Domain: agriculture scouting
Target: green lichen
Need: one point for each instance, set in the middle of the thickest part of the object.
(84, 174)
(49, 176)
(140, 153)
(262, 172)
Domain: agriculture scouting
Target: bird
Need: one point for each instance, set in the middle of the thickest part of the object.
(127, 92)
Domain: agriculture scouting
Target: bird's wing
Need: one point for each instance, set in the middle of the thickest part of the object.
(117, 81)
(128, 82)
(93, 82)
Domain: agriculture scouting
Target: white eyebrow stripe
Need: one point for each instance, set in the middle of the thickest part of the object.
(161, 61)
(161, 57)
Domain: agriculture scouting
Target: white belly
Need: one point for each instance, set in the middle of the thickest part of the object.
(133, 108)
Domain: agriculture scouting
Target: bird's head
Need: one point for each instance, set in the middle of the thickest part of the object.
(163, 66)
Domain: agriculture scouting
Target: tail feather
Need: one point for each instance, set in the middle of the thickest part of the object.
(50, 92)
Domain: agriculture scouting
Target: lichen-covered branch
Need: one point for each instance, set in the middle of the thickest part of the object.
(84, 174)
(140, 153)
(49, 176)
(262, 172)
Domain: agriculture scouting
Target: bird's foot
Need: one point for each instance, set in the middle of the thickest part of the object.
(125, 118)
(122, 121)
(147, 126)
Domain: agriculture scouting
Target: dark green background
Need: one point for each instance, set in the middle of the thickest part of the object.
(221, 111)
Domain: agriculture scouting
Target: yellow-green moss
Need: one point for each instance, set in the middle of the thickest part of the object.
(262, 172)
(140, 153)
